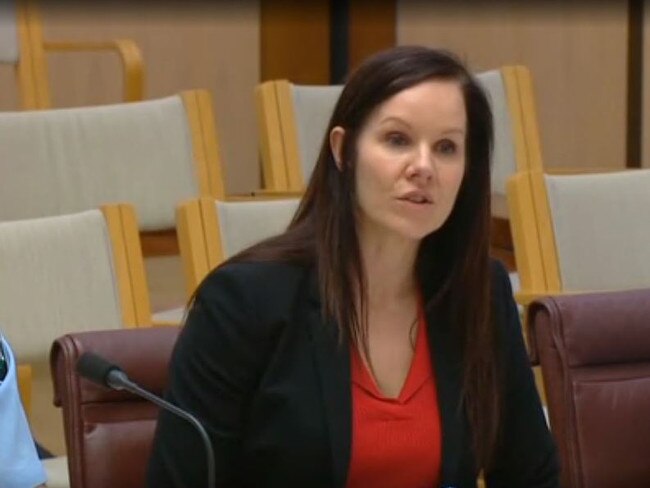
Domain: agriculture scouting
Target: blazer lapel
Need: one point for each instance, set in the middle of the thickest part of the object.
(448, 374)
(332, 361)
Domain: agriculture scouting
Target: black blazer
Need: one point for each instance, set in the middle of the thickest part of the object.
(268, 379)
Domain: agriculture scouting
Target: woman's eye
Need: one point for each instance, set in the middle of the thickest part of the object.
(397, 139)
(446, 146)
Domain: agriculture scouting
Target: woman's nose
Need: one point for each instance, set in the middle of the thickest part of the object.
(422, 166)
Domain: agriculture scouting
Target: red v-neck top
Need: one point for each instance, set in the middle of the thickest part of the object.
(396, 443)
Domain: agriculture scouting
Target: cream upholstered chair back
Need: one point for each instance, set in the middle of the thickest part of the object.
(580, 233)
(313, 107)
(68, 160)
(210, 231)
(61, 274)
(504, 156)
(601, 226)
(66, 273)
(292, 120)
(242, 224)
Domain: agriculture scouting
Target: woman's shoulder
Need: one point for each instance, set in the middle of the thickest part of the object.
(257, 273)
(256, 282)
(501, 283)
(503, 299)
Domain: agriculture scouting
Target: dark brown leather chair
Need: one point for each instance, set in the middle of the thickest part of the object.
(594, 350)
(109, 433)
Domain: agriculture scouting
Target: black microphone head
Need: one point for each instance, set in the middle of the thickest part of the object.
(95, 368)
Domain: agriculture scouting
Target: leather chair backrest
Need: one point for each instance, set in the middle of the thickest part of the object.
(594, 350)
(109, 433)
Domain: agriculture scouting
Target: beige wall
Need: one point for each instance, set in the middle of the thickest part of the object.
(213, 45)
(576, 52)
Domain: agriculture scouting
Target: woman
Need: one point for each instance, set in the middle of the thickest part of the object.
(373, 344)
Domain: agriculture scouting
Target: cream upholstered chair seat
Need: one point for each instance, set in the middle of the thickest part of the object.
(209, 231)
(73, 272)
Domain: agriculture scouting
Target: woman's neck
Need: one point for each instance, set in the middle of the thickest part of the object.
(389, 265)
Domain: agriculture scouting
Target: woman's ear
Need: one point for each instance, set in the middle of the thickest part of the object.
(337, 135)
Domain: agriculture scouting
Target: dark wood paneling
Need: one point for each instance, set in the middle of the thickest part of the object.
(295, 41)
(634, 141)
(372, 28)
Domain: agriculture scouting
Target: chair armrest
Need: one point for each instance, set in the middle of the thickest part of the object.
(129, 53)
(25, 386)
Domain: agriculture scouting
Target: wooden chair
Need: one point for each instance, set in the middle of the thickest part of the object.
(211, 231)
(580, 233)
(152, 154)
(73, 272)
(22, 45)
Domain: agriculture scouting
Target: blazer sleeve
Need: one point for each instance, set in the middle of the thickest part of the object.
(527, 454)
(214, 370)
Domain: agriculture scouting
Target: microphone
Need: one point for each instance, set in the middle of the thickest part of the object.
(98, 370)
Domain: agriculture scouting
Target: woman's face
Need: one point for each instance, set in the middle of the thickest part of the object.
(410, 160)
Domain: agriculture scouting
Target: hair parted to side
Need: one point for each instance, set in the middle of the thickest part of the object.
(453, 263)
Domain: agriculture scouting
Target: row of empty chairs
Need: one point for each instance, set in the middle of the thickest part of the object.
(156, 153)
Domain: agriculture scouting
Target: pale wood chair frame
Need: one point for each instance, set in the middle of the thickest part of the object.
(199, 240)
(207, 166)
(129, 264)
(534, 238)
(32, 73)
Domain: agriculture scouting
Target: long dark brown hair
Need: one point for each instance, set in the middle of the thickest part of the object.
(452, 264)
